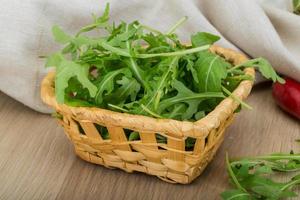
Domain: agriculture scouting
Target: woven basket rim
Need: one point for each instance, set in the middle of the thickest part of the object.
(197, 129)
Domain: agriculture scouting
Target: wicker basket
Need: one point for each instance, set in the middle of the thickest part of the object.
(170, 162)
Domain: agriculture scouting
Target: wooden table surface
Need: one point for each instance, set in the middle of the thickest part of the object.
(37, 160)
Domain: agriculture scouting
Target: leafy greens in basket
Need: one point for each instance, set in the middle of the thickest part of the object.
(136, 69)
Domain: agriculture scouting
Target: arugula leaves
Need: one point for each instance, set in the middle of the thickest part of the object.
(203, 38)
(188, 97)
(60, 36)
(107, 83)
(136, 69)
(65, 70)
(251, 177)
(211, 70)
(264, 67)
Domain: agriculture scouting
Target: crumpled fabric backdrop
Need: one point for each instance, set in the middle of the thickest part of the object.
(264, 28)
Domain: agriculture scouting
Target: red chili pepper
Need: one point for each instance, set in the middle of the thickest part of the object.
(287, 96)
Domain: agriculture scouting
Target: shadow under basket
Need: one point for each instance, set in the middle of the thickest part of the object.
(100, 136)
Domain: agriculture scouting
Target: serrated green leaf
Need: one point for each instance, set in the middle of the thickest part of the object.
(267, 191)
(296, 6)
(60, 36)
(99, 22)
(128, 90)
(54, 60)
(190, 66)
(211, 70)
(185, 95)
(265, 69)
(64, 72)
(107, 84)
(203, 38)
(167, 68)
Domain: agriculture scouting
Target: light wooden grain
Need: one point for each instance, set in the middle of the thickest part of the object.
(37, 160)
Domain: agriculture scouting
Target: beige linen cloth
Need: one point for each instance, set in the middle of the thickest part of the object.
(264, 28)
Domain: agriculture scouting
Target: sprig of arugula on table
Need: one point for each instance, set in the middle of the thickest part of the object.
(136, 69)
(252, 179)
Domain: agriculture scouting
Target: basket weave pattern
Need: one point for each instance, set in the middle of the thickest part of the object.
(170, 162)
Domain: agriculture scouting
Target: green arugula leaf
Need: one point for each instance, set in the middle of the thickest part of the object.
(162, 83)
(296, 6)
(60, 36)
(177, 111)
(107, 84)
(129, 89)
(211, 69)
(54, 60)
(175, 26)
(263, 66)
(98, 23)
(231, 82)
(64, 72)
(185, 95)
(190, 66)
(202, 38)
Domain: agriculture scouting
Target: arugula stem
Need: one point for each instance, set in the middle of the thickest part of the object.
(151, 29)
(175, 111)
(150, 112)
(232, 175)
(290, 184)
(118, 108)
(241, 77)
(134, 67)
(255, 162)
(162, 81)
(86, 28)
(175, 26)
(199, 96)
(116, 50)
(157, 100)
(235, 67)
(175, 53)
(277, 157)
(273, 164)
(236, 71)
(125, 53)
(236, 98)
(241, 65)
